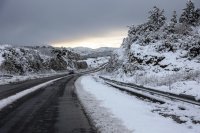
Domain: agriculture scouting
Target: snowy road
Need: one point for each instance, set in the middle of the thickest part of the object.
(54, 108)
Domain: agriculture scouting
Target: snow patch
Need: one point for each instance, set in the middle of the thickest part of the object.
(96, 62)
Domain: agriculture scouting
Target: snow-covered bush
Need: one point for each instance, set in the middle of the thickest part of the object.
(190, 15)
(156, 19)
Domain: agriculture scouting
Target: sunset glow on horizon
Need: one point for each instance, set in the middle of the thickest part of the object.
(113, 39)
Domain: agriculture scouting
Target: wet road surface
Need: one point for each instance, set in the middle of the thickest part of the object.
(52, 109)
(13, 88)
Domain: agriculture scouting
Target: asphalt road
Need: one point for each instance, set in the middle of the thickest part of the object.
(52, 109)
(13, 88)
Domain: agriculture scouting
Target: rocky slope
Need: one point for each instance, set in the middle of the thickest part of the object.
(22, 60)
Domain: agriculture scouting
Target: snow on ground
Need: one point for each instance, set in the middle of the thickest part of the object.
(114, 111)
(183, 87)
(173, 83)
(95, 62)
(9, 100)
(7, 79)
(1, 58)
(2, 47)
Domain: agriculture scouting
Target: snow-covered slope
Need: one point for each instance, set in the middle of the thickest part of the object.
(93, 53)
(160, 53)
(95, 62)
(82, 50)
(21, 60)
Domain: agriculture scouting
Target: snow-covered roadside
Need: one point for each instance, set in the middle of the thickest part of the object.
(114, 111)
(182, 87)
(9, 100)
(172, 84)
(15, 78)
(95, 62)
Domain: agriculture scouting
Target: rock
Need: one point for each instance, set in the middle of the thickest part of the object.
(82, 65)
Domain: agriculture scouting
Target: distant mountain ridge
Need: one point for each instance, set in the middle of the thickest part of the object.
(93, 53)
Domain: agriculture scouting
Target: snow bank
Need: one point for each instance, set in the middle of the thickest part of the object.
(191, 88)
(176, 83)
(109, 108)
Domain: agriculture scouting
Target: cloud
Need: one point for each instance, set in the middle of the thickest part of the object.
(29, 22)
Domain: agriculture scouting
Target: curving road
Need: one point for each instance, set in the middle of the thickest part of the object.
(52, 109)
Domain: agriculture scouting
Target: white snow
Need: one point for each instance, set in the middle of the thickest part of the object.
(2, 47)
(9, 100)
(172, 59)
(95, 62)
(1, 59)
(183, 87)
(18, 78)
(88, 51)
(173, 83)
(115, 111)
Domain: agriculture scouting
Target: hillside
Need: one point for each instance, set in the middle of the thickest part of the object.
(161, 54)
(23, 60)
(93, 53)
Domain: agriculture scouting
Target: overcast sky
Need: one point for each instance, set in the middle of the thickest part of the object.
(75, 22)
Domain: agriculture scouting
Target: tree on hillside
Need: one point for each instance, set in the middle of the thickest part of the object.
(189, 14)
(197, 16)
(156, 18)
(173, 22)
(174, 18)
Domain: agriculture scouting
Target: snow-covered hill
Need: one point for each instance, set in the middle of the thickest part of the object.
(93, 53)
(96, 62)
(21, 60)
(161, 54)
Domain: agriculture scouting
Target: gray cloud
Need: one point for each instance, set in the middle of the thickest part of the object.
(46, 21)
